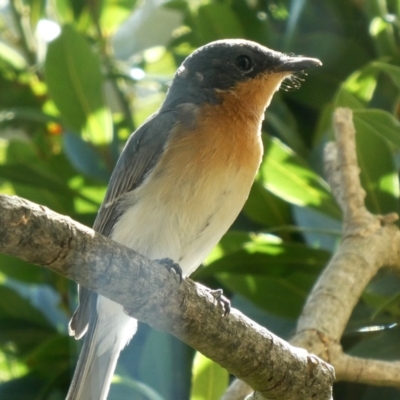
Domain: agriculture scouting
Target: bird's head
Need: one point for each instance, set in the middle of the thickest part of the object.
(239, 67)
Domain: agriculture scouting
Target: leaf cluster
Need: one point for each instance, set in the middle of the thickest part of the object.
(77, 77)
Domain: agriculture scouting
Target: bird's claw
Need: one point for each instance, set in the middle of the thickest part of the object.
(171, 265)
(222, 300)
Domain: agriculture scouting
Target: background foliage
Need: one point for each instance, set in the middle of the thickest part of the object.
(76, 77)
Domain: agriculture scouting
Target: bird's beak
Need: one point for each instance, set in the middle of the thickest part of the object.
(297, 63)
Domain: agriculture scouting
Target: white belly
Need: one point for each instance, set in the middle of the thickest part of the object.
(185, 221)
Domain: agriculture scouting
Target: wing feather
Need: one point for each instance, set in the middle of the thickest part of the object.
(139, 156)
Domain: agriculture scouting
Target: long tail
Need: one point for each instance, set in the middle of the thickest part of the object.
(109, 331)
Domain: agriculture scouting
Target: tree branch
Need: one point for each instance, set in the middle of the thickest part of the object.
(153, 295)
(369, 243)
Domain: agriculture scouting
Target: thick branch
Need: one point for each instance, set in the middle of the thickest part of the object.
(153, 295)
(372, 372)
(369, 243)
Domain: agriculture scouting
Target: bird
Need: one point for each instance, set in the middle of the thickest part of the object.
(180, 182)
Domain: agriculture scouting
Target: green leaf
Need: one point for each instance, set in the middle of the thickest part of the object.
(63, 11)
(378, 171)
(279, 295)
(265, 208)
(30, 114)
(12, 305)
(45, 180)
(39, 186)
(217, 21)
(381, 30)
(381, 123)
(114, 13)
(27, 387)
(15, 268)
(51, 357)
(276, 276)
(280, 122)
(345, 99)
(209, 380)
(322, 83)
(359, 87)
(392, 70)
(265, 255)
(361, 84)
(21, 323)
(289, 177)
(74, 78)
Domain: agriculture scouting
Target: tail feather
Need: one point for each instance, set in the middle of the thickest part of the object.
(108, 333)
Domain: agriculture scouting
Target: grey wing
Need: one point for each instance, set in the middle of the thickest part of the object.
(139, 156)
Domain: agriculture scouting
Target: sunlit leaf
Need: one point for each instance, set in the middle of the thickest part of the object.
(209, 380)
(361, 84)
(75, 83)
(359, 87)
(115, 12)
(288, 176)
(272, 274)
(10, 367)
(265, 255)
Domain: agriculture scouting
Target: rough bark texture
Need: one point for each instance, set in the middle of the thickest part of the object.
(369, 242)
(152, 294)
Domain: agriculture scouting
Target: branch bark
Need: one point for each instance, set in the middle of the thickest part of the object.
(268, 364)
(369, 243)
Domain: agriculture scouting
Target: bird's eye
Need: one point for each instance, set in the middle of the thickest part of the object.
(245, 63)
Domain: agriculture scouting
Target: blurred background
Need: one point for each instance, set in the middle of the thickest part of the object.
(77, 77)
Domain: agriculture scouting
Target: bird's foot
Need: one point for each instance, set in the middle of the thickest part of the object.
(171, 265)
(222, 300)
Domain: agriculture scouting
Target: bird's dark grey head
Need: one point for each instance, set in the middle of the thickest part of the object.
(220, 65)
